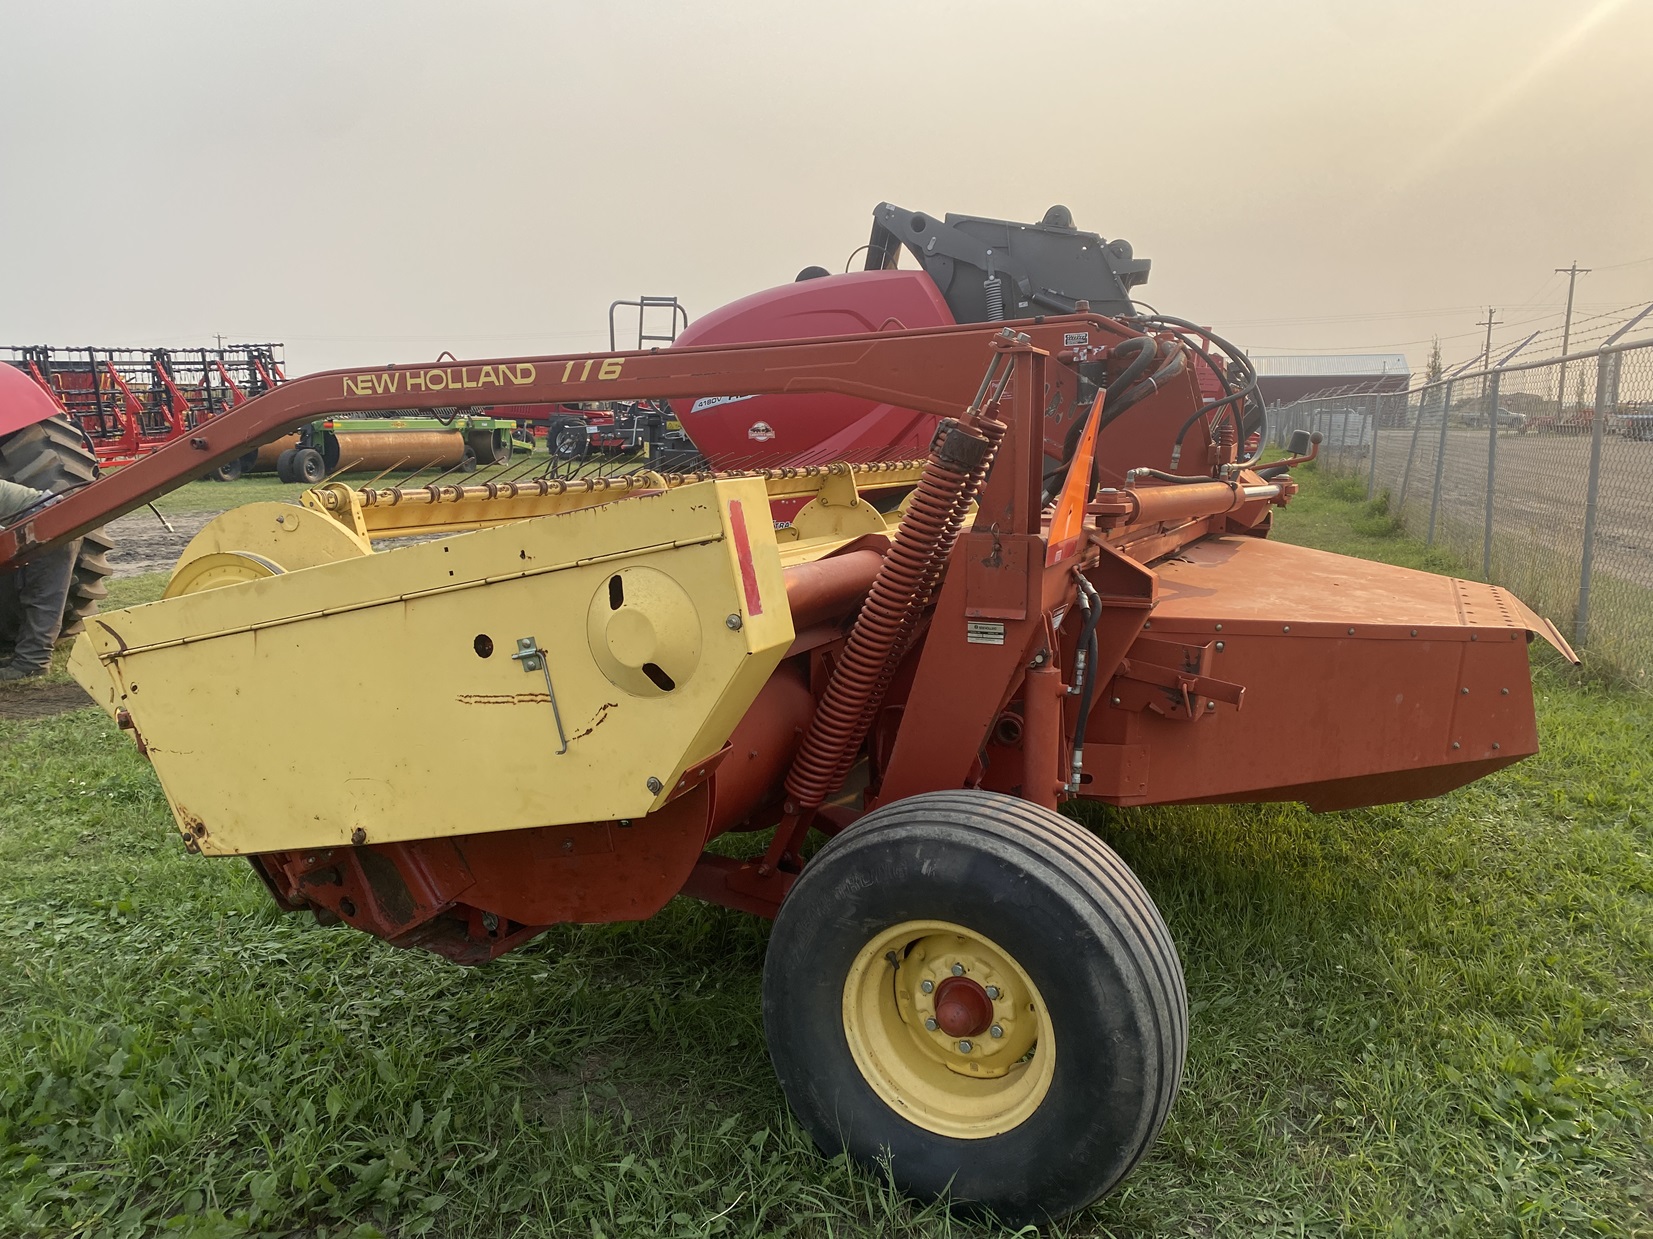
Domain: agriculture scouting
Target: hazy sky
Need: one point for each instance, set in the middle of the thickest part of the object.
(379, 181)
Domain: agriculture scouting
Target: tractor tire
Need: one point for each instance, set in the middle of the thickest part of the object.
(53, 455)
(229, 471)
(88, 586)
(1040, 1063)
(307, 466)
(284, 465)
(467, 462)
(568, 439)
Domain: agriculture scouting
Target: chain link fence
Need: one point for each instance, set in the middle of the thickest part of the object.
(1537, 477)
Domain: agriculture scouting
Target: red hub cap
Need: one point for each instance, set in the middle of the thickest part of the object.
(963, 1008)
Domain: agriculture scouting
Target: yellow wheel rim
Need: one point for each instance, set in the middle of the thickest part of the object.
(948, 1029)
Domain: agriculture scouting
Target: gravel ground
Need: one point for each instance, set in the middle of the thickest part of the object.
(143, 544)
(1542, 482)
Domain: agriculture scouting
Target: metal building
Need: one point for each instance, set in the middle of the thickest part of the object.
(1287, 378)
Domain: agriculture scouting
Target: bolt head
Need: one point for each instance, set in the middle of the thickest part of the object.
(1221, 646)
(1211, 705)
(965, 1047)
(930, 1024)
(996, 1031)
(358, 836)
(927, 986)
(958, 970)
(733, 623)
(654, 785)
(1113, 701)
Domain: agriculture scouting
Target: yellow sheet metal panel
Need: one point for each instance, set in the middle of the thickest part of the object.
(359, 695)
(287, 536)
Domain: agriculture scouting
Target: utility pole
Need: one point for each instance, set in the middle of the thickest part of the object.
(1486, 353)
(1572, 273)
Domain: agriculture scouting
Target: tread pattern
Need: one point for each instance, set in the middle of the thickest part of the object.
(53, 455)
(1075, 870)
(1049, 840)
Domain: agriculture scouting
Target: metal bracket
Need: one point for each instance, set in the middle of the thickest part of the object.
(1171, 679)
(535, 659)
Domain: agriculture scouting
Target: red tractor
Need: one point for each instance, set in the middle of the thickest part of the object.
(43, 454)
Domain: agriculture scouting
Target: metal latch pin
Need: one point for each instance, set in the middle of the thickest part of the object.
(534, 659)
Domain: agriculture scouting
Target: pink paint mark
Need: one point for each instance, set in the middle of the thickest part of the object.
(743, 556)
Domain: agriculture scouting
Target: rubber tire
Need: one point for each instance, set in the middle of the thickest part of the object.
(284, 465)
(307, 466)
(88, 585)
(1074, 917)
(229, 471)
(54, 455)
(467, 463)
(578, 445)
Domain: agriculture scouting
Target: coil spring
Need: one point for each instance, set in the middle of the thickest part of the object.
(994, 288)
(839, 721)
(993, 432)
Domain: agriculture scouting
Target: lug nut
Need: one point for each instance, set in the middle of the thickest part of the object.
(930, 1024)
(926, 986)
(965, 1047)
(993, 992)
(958, 970)
(996, 1031)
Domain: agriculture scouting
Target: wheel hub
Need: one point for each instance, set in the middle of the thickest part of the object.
(963, 1008)
(948, 1028)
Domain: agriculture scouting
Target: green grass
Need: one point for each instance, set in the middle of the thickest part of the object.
(1431, 1019)
(217, 496)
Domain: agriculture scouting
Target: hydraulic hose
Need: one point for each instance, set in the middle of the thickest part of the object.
(1172, 367)
(1176, 479)
(1114, 402)
(1244, 425)
(1087, 691)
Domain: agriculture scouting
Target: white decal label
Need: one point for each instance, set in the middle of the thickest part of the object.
(1075, 339)
(711, 402)
(760, 432)
(984, 632)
